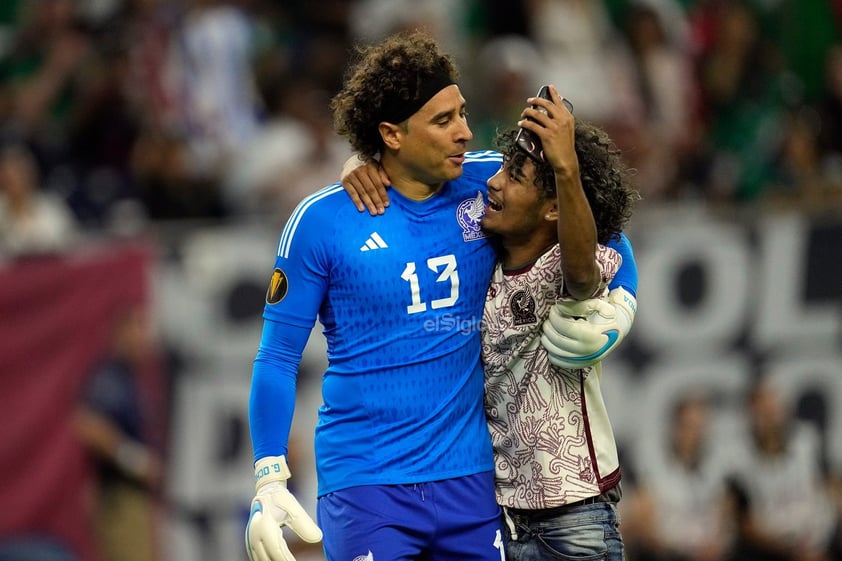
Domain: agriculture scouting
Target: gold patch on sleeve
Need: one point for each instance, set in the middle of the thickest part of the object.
(277, 287)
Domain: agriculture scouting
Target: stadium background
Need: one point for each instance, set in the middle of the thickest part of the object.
(178, 204)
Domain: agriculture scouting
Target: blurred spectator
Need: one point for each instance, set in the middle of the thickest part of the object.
(803, 32)
(372, 20)
(747, 546)
(8, 19)
(32, 220)
(219, 105)
(103, 126)
(797, 179)
(783, 495)
(111, 422)
(41, 73)
(509, 70)
(323, 38)
(830, 119)
(584, 58)
(741, 81)
(295, 152)
(152, 78)
(35, 548)
(161, 165)
(679, 510)
(663, 131)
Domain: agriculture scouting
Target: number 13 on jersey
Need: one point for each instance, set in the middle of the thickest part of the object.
(445, 266)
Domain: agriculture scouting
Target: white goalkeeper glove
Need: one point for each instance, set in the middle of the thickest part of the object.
(580, 333)
(272, 508)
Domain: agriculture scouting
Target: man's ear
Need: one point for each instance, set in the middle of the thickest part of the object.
(391, 135)
(551, 210)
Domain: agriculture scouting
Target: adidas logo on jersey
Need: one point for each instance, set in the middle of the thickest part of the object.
(374, 241)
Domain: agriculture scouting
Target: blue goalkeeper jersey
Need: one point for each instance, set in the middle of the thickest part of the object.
(400, 297)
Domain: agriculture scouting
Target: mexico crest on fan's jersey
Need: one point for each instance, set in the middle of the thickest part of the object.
(522, 305)
(469, 213)
(277, 287)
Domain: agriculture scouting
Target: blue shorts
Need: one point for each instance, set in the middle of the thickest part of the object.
(449, 520)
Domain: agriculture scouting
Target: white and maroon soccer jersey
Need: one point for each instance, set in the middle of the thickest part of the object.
(552, 438)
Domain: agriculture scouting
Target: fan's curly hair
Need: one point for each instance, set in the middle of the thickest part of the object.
(605, 177)
(393, 68)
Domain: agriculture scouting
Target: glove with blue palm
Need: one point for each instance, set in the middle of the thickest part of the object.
(580, 333)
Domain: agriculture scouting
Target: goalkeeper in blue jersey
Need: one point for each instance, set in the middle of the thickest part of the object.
(403, 454)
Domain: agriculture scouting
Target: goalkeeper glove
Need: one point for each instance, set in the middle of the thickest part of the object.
(580, 333)
(272, 508)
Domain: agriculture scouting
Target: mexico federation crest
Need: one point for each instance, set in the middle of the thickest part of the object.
(522, 305)
(277, 287)
(469, 213)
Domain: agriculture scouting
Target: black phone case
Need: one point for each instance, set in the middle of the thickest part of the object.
(526, 140)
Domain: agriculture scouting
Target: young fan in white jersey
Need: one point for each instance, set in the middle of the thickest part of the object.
(553, 211)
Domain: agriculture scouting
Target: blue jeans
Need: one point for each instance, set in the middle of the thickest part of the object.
(581, 533)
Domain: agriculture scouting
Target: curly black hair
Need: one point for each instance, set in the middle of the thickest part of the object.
(605, 177)
(393, 68)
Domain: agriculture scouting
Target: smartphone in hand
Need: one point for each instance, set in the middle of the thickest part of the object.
(528, 141)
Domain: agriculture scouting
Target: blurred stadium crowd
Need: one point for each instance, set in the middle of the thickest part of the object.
(129, 111)
(121, 118)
